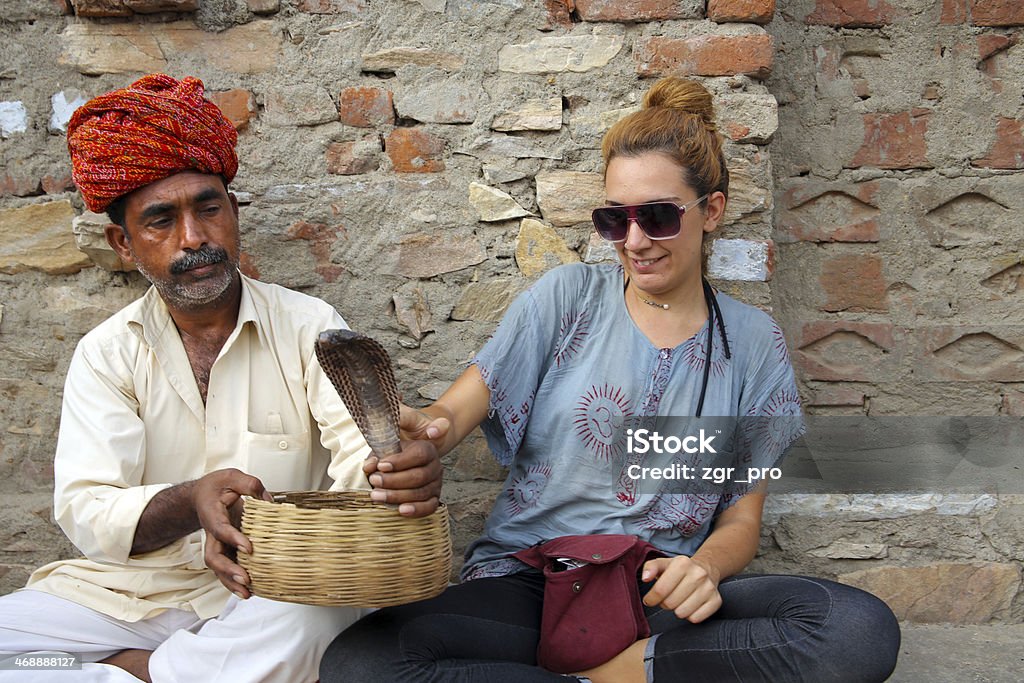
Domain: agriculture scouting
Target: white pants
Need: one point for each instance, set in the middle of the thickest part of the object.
(251, 641)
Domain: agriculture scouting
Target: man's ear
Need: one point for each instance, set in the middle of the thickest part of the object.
(234, 203)
(117, 238)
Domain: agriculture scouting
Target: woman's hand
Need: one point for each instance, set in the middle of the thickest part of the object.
(415, 424)
(687, 586)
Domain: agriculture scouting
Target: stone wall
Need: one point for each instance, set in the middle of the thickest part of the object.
(417, 163)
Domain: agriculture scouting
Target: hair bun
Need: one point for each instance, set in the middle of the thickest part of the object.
(684, 95)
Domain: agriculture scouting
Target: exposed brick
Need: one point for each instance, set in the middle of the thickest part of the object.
(365, 107)
(329, 6)
(352, 158)
(752, 11)
(238, 105)
(816, 212)
(992, 44)
(632, 10)
(953, 12)
(852, 13)
(153, 6)
(64, 6)
(853, 282)
(705, 56)
(893, 141)
(559, 13)
(320, 238)
(969, 353)
(247, 264)
(1008, 149)
(101, 8)
(54, 184)
(997, 12)
(414, 151)
(18, 185)
(839, 350)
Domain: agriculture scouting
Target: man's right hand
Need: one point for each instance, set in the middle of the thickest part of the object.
(214, 497)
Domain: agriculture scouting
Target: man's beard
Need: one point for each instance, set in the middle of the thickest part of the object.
(194, 295)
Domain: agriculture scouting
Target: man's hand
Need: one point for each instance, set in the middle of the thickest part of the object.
(686, 586)
(411, 478)
(216, 499)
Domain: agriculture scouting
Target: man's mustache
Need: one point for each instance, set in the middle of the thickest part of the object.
(203, 256)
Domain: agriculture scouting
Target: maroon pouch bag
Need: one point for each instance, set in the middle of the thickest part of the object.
(593, 611)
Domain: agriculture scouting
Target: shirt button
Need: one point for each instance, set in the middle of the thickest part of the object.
(283, 445)
(664, 353)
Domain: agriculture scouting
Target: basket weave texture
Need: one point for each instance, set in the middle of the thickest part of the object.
(340, 548)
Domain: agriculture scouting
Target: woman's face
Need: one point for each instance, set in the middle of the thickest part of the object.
(660, 267)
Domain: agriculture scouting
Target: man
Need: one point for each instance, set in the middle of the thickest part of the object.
(205, 389)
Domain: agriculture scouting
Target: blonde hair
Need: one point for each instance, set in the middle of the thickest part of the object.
(677, 120)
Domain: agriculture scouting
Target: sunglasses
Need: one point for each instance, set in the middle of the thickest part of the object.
(658, 220)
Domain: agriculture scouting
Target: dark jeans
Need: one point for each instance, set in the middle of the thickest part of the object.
(770, 628)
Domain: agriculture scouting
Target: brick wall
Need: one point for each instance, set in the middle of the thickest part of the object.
(418, 162)
(899, 179)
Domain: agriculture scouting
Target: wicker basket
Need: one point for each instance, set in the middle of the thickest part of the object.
(341, 548)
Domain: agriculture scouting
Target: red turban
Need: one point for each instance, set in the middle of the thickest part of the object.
(149, 131)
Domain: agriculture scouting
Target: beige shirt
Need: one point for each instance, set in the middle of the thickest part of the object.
(133, 423)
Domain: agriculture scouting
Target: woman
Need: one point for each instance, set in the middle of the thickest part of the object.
(584, 352)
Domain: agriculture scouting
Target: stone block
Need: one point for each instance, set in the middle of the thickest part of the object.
(330, 6)
(494, 173)
(124, 48)
(538, 114)
(13, 119)
(895, 141)
(505, 147)
(748, 117)
(829, 212)
(588, 127)
(969, 353)
(412, 310)
(539, 249)
(748, 11)
(101, 8)
(744, 260)
(567, 197)
(494, 205)
(838, 351)
(852, 13)
(38, 237)
(559, 54)
(393, 58)
(847, 550)
(238, 105)
(750, 191)
(853, 282)
(1007, 151)
(154, 6)
(90, 238)
(599, 250)
(488, 301)
(365, 107)
(18, 185)
(412, 150)
(57, 183)
(426, 255)
(707, 55)
(430, 99)
(299, 104)
(263, 6)
(63, 105)
(969, 593)
(353, 158)
(632, 11)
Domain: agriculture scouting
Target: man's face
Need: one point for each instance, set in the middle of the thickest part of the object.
(183, 237)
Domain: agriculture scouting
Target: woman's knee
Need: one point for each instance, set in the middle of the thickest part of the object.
(862, 634)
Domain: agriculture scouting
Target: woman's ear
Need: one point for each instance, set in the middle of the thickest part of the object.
(714, 209)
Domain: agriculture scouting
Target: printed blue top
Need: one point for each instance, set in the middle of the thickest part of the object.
(570, 373)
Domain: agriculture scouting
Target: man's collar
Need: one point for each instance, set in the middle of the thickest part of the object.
(151, 317)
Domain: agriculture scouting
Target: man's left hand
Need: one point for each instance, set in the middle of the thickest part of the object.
(410, 479)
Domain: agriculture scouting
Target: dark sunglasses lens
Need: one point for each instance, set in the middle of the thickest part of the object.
(611, 223)
(659, 220)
